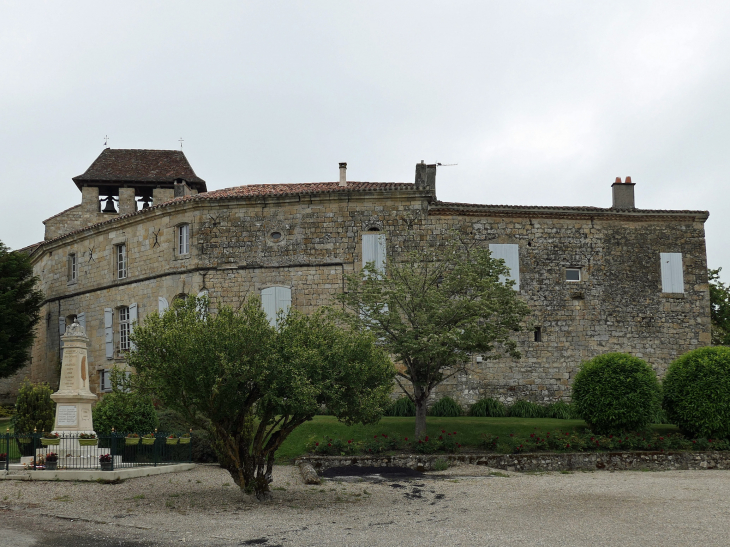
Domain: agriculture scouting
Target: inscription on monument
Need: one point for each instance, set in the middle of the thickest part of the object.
(67, 415)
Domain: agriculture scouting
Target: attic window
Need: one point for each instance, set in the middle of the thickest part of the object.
(572, 274)
(275, 236)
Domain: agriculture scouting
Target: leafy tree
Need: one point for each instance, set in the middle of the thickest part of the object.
(125, 409)
(432, 311)
(250, 384)
(719, 309)
(34, 408)
(20, 304)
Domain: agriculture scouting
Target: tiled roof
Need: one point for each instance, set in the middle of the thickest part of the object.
(453, 206)
(153, 166)
(304, 188)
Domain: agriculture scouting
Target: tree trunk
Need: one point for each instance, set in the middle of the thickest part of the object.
(420, 397)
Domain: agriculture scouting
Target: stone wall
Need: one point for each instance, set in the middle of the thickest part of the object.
(591, 461)
(617, 306)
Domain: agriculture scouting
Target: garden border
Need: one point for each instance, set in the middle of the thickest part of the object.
(545, 461)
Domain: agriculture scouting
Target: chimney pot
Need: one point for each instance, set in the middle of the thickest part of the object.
(618, 180)
(628, 180)
(623, 194)
(343, 174)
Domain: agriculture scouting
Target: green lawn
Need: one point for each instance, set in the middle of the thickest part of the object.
(469, 430)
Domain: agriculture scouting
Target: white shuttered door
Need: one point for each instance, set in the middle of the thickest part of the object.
(274, 299)
(510, 253)
(373, 250)
(132, 323)
(672, 274)
(109, 332)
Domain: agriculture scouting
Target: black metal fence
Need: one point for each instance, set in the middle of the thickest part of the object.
(37, 451)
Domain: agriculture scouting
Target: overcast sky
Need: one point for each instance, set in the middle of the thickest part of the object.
(539, 103)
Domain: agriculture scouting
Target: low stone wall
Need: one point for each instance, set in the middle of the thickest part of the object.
(537, 462)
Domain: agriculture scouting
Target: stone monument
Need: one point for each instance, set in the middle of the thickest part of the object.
(74, 398)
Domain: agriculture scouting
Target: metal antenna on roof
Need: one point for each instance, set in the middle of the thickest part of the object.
(181, 141)
(106, 139)
(446, 164)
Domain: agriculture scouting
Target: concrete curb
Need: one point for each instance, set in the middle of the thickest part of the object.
(95, 475)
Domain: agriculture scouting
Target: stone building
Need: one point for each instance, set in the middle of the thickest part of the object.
(147, 231)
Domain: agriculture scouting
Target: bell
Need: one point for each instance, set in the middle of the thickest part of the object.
(109, 207)
(146, 202)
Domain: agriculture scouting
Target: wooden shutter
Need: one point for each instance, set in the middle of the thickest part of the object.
(283, 299)
(373, 250)
(162, 304)
(380, 253)
(672, 273)
(268, 303)
(510, 253)
(132, 323)
(109, 332)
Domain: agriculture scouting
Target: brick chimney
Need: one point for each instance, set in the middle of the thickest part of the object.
(343, 174)
(623, 194)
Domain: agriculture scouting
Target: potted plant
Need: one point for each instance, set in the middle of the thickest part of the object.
(105, 460)
(51, 461)
(3, 457)
(50, 439)
(88, 439)
(172, 439)
(185, 439)
(148, 439)
(132, 439)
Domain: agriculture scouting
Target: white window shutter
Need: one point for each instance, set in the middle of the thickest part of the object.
(672, 273)
(380, 254)
(81, 319)
(369, 248)
(510, 253)
(109, 332)
(132, 323)
(283, 299)
(268, 303)
(162, 304)
(201, 308)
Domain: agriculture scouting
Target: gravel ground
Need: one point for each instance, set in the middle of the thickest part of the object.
(465, 505)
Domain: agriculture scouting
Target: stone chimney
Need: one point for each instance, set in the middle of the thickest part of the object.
(623, 194)
(181, 188)
(426, 176)
(343, 174)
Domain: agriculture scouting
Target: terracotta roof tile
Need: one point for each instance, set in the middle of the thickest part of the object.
(152, 166)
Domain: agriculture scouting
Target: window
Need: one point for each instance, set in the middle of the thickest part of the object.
(123, 314)
(72, 268)
(509, 252)
(373, 250)
(273, 300)
(105, 381)
(538, 334)
(672, 274)
(116, 336)
(121, 261)
(183, 239)
(572, 274)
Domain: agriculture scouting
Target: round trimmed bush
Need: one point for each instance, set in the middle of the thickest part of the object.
(617, 392)
(697, 392)
(445, 407)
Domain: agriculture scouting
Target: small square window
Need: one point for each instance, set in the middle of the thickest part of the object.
(538, 334)
(572, 274)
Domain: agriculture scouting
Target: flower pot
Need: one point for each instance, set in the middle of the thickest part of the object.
(50, 442)
(24, 440)
(106, 466)
(147, 440)
(171, 441)
(51, 466)
(184, 440)
(88, 442)
(131, 441)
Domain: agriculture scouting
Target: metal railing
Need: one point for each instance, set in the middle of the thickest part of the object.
(107, 452)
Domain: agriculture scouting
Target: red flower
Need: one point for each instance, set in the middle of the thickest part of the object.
(375, 437)
(316, 444)
(443, 431)
(454, 432)
(426, 438)
(348, 442)
(329, 444)
(511, 434)
(441, 437)
(567, 445)
(420, 441)
(532, 435)
(406, 438)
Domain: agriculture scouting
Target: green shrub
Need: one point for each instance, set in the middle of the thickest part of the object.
(440, 465)
(34, 409)
(526, 409)
(559, 410)
(616, 392)
(203, 446)
(445, 407)
(129, 412)
(6, 411)
(697, 392)
(488, 408)
(403, 406)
